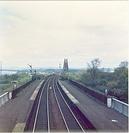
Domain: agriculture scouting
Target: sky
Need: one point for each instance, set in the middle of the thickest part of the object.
(43, 33)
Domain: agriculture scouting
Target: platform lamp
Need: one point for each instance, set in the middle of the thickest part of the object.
(14, 83)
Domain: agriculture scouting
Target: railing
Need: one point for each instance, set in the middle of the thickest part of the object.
(120, 106)
(5, 97)
(108, 100)
(10, 95)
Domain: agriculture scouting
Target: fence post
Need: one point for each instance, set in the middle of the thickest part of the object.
(10, 95)
(109, 102)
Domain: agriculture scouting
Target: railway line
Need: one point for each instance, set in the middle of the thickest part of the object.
(53, 112)
(55, 105)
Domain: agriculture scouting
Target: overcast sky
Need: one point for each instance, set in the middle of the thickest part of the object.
(44, 33)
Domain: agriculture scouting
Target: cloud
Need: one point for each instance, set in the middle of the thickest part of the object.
(8, 13)
(9, 20)
(43, 33)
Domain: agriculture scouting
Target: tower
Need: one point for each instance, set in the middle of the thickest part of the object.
(65, 66)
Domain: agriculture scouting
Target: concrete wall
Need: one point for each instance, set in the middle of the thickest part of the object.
(17, 90)
(96, 94)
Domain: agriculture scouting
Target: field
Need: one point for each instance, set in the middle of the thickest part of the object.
(6, 81)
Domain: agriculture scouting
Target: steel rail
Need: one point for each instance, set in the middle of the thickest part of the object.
(39, 101)
(69, 107)
(66, 125)
(48, 118)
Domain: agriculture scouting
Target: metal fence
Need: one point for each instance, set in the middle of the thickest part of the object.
(5, 97)
(120, 106)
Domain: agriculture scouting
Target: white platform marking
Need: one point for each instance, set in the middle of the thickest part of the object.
(36, 91)
(72, 98)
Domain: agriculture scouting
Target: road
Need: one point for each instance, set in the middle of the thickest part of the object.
(53, 112)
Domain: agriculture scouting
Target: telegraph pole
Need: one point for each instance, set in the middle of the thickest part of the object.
(31, 72)
(1, 70)
(59, 68)
(30, 68)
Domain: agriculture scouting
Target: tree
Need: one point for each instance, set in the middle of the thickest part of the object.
(121, 75)
(123, 64)
(14, 76)
(93, 69)
(112, 84)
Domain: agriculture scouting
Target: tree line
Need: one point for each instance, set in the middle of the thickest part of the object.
(115, 82)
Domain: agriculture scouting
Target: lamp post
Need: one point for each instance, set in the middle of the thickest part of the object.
(14, 84)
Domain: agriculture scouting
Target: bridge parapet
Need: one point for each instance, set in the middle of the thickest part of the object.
(5, 97)
(120, 106)
(110, 101)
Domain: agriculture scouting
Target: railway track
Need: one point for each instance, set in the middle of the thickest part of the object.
(53, 111)
(70, 119)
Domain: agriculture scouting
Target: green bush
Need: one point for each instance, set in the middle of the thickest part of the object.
(6, 85)
(116, 82)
